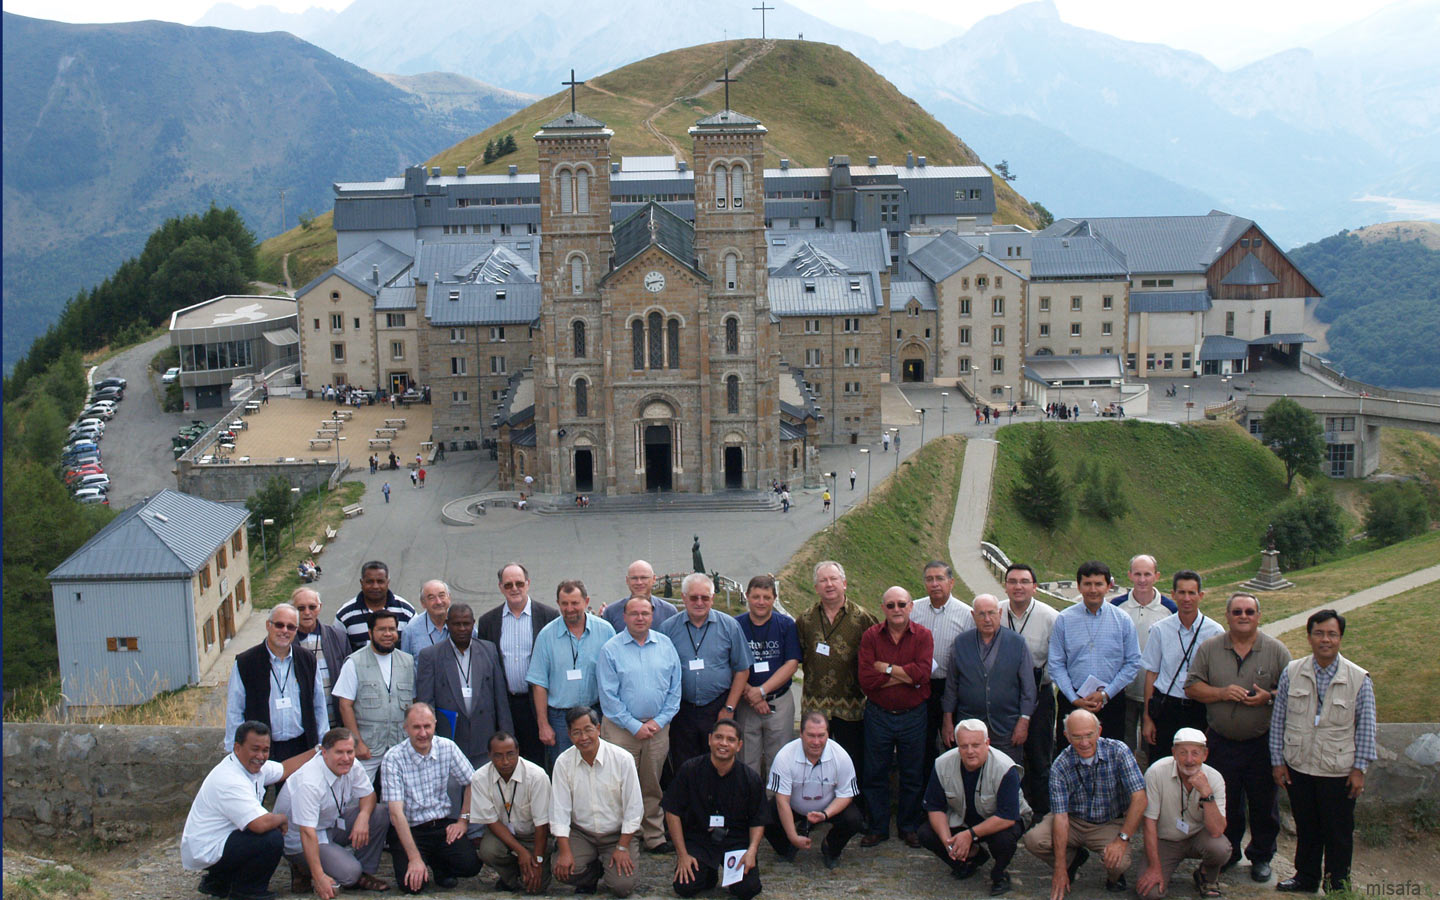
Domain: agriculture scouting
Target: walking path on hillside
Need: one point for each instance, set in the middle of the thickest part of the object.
(972, 505)
(1358, 599)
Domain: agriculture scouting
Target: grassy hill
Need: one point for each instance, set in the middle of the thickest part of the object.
(817, 101)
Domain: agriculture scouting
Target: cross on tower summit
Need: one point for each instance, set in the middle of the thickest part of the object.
(727, 81)
(572, 84)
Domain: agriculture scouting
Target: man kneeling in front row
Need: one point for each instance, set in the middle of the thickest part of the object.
(814, 782)
(973, 799)
(715, 809)
(1184, 818)
(228, 833)
(337, 830)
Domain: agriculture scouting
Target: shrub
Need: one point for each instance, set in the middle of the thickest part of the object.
(1397, 511)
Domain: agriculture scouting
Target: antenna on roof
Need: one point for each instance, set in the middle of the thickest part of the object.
(572, 84)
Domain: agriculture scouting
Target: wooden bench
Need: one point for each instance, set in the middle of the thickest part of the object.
(385, 432)
(379, 443)
(319, 442)
(330, 533)
(252, 406)
(239, 425)
(316, 548)
(394, 423)
(352, 510)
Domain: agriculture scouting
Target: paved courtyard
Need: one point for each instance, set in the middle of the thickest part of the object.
(296, 428)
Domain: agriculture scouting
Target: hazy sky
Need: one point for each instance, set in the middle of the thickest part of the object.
(1243, 30)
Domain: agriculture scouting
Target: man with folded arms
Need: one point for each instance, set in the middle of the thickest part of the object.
(337, 830)
(510, 797)
(714, 807)
(813, 780)
(1184, 818)
(595, 809)
(415, 778)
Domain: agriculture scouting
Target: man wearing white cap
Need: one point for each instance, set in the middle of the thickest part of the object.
(1184, 818)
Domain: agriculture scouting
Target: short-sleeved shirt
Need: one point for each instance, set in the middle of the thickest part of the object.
(709, 655)
(832, 682)
(1035, 627)
(520, 804)
(812, 787)
(1097, 792)
(422, 782)
(699, 792)
(315, 797)
(1167, 801)
(1215, 663)
(228, 800)
(1007, 795)
(1170, 649)
(771, 645)
(558, 653)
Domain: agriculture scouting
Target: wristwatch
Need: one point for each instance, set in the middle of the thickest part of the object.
(539, 859)
(889, 669)
(729, 708)
(1124, 837)
(1209, 798)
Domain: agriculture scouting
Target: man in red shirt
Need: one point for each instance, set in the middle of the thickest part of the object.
(895, 661)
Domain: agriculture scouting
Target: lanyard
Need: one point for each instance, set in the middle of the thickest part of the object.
(281, 682)
(575, 647)
(1025, 620)
(515, 789)
(338, 807)
(460, 663)
(694, 644)
(823, 632)
(1184, 660)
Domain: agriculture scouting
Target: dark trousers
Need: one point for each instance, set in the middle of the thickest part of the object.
(1174, 714)
(690, 730)
(1001, 845)
(851, 736)
(283, 750)
(706, 877)
(893, 741)
(842, 828)
(1249, 787)
(1111, 716)
(1324, 827)
(1039, 753)
(248, 862)
(455, 860)
(527, 728)
(934, 718)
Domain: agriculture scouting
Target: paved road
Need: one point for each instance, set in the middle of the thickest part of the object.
(972, 506)
(1356, 600)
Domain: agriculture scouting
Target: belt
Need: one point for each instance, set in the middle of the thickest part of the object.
(778, 694)
(895, 712)
(433, 823)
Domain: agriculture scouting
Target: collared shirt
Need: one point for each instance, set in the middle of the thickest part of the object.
(422, 633)
(615, 612)
(772, 645)
(286, 721)
(945, 624)
(638, 681)
(1365, 751)
(1143, 616)
(811, 787)
(1171, 648)
(422, 782)
(1007, 795)
(718, 647)
(517, 639)
(1216, 663)
(1168, 801)
(354, 617)
(1097, 792)
(315, 797)
(698, 793)
(1101, 643)
(914, 652)
(832, 685)
(601, 797)
(228, 800)
(520, 804)
(315, 643)
(1035, 626)
(558, 653)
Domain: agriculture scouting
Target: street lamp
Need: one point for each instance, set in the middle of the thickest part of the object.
(895, 439)
(943, 396)
(264, 548)
(1011, 391)
(834, 496)
(922, 426)
(1188, 403)
(296, 492)
(866, 451)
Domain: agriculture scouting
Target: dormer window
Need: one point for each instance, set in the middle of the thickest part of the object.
(454, 296)
(809, 287)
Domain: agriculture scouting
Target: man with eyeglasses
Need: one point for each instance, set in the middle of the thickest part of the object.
(512, 627)
(328, 642)
(1235, 675)
(1034, 621)
(279, 686)
(640, 581)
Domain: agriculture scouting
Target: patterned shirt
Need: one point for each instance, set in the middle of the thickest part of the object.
(945, 623)
(1102, 643)
(1365, 751)
(422, 782)
(353, 617)
(832, 683)
(1097, 792)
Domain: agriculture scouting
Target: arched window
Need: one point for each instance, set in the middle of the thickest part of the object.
(732, 271)
(732, 336)
(582, 191)
(795, 459)
(656, 324)
(582, 398)
(721, 187)
(577, 332)
(577, 274)
(637, 344)
(737, 187)
(566, 198)
(732, 394)
(674, 342)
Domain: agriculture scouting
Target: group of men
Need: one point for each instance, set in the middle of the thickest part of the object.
(553, 741)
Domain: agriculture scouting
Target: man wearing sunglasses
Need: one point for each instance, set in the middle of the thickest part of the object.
(512, 627)
(1235, 675)
(278, 685)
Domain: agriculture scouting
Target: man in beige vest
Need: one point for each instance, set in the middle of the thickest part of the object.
(374, 688)
(1184, 818)
(1322, 739)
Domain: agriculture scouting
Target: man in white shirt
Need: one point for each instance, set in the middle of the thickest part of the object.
(595, 809)
(228, 833)
(337, 829)
(510, 796)
(946, 617)
(1033, 620)
(415, 778)
(1145, 606)
(813, 780)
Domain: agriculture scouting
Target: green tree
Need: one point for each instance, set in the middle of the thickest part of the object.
(490, 150)
(198, 270)
(1396, 512)
(44, 430)
(507, 144)
(273, 501)
(1002, 168)
(1295, 435)
(1043, 217)
(307, 220)
(1042, 495)
(1306, 527)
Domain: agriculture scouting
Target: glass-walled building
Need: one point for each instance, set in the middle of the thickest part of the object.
(230, 337)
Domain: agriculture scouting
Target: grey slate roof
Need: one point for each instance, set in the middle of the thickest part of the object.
(727, 117)
(573, 120)
(809, 261)
(1284, 337)
(826, 295)
(1169, 301)
(481, 304)
(859, 251)
(395, 298)
(948, 254)
(1250, 271)
(359, 268)
(455, 261)
(140, 545)
(1077, 256)
(1162, 244)
(1220, 346)
(654, 224)
(902, 292)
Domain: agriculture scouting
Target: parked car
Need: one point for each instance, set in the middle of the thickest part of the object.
(112, 381)
(109, 393)
(97, 480)
(72, 476)
(91, 421)
(171, 375)
(88, 459)
(91, 495)
(102, 409)
(81, 446)
(87, 434)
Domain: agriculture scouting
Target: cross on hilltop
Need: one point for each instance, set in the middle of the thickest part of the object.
(761, 9)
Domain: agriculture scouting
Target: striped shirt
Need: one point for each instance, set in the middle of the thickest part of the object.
(946, 624)
(1102, 643)
(354, 617)
(1097, 792)
(517, 640)
(1365, 752)
(422, 782)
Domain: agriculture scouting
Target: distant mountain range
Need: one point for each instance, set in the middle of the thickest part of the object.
(110, 129)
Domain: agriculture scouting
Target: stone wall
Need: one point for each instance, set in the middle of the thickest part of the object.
(237, 481)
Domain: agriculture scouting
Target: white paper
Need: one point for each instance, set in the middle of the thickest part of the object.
(734, 868)
(762, 667)
(697, 664)
(1091, 685)
(717, 821)
(822, 648)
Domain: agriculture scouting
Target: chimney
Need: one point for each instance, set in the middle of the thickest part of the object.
(784, 164)
(682, 166)
(460, 171)
(910, 159)
(513, 170)
(873, 161)
(434, 171)
(375, 274)
(920, 162)
(614, 168)
(437, 279)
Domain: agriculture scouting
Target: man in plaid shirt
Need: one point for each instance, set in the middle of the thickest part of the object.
(415, 778)
(1097, 798)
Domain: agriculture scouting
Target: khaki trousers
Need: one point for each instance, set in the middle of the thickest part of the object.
(765, 735)
(649, 760)
(499, 857)
(1213, 852)
(1092, 837)
(592, 862)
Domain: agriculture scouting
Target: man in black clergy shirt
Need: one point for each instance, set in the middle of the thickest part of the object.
(715, 805)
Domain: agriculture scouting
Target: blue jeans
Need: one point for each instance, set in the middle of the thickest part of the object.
(890, 739)
(556, 718)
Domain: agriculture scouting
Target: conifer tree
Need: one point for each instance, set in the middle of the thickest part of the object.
(1042, 495)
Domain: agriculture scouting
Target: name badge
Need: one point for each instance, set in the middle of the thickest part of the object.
(286, 703)
(697, 664)
(1182, 826)
(340, 823)
(822, 648)
(717, 821)
(466, 691)
(1317, 719)
(574, 675)
(762, 667)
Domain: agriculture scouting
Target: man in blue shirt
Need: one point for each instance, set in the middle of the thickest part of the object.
(640, 582)
(562, 665)
(766, 714)
(639, 677)
(715, 660)
(1093, 646)
(429, 629)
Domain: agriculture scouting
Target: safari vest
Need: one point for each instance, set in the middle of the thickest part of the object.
(1324, 747)
(380, 713)
(997, 765)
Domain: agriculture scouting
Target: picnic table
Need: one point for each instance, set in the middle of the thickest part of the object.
(239, 425)
(252, 406)
(319, 442)
(385, 432)
(379, 443)
(394, 423)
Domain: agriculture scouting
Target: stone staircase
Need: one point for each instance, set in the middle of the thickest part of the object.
(720, 501)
